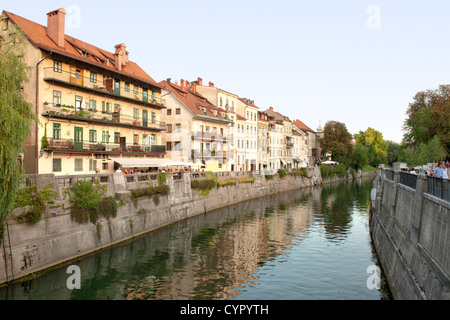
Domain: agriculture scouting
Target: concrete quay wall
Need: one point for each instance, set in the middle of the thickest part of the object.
(410, 231)
(28, 250)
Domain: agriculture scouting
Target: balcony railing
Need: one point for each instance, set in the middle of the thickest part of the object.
(112, 118)
(75, 79)
(409, 180)
(70, 145)
(439, 187)
(209, 136)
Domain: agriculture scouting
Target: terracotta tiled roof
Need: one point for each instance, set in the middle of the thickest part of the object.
(302, 126)
(248, 102)
(77, 49)
(194, 102)
(277, 115)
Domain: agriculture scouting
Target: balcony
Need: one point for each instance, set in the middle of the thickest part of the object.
(207, 154)
(70, 146)
(116, 119)
(72, 79)
(208, 136)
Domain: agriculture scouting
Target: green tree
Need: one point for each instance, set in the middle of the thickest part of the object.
(360, 157)
(337, 142)
(375, 144)
(392, 152)
(425, 153)
(428, 116)
(16, 115)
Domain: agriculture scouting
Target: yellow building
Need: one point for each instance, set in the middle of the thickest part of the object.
(92, 105)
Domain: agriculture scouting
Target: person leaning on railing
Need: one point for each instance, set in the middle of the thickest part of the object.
(438, 171)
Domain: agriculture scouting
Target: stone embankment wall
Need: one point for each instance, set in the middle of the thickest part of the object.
(57, 239)
(410, 229)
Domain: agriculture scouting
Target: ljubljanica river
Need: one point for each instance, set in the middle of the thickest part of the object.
(309, 244)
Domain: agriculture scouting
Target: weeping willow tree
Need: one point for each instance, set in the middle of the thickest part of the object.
(16, 116)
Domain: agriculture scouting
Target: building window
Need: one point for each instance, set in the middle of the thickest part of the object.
(153, 117)
(92, 105)
(93, 77)
(177, 146)
(57, 131)
(169, 112)
(92, 165)
(116, 137)
(145, 95)
(78, 73)
(56, 98)
(127, 87)
(57, 66)
(57, 165)
(169, 146)
(92, 135)
(169, 128)
(105, 165)
(105, 136)
(178, 111)
(136, 90)
(178, 127)
(78, 165)
(135, 114)
(78, 103)
(106, 107)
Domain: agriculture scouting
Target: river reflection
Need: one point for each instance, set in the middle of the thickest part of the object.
(306, 244)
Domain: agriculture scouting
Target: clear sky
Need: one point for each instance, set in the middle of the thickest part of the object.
(354, 61)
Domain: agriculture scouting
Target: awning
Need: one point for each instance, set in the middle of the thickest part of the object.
(151, 162)
(141, 162)
(283, 162)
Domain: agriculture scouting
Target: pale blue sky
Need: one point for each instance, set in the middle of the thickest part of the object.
(310, 60)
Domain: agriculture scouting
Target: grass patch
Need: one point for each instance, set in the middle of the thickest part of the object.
(369, 168)
(249, 179)
(150, 191)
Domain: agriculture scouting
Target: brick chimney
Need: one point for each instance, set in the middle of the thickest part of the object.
(120, 56)
(56, 21)
(182, 84)
(199, 81)
(271, 108)
(211, 84)
(194, 87)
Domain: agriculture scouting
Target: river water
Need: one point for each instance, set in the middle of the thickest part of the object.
(308, 244)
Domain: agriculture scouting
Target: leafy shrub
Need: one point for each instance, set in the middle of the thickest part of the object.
(282, 173)
(340, 170)
(303, 172)
(90, 203)
(35, 199)
(324, 171)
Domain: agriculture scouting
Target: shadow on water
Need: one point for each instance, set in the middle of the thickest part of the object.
(226, 253)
